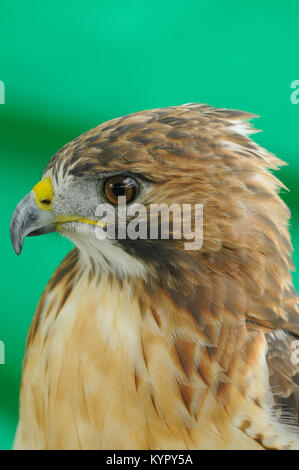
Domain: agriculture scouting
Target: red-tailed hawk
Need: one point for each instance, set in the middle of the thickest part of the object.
(140, 343)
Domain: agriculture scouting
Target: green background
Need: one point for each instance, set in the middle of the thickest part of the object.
(67, 66)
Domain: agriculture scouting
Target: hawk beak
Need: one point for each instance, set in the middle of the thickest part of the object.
(30, 219)
(34, 216)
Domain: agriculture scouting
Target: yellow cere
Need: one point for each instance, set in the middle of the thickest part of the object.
(44, 194)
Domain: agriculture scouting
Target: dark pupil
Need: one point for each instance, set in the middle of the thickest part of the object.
(118, 189)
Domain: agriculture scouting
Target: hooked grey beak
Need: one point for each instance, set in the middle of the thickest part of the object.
(29, 220)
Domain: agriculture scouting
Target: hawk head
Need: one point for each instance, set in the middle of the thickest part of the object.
(184, 155)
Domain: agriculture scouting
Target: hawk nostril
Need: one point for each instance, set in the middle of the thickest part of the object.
(47, 202)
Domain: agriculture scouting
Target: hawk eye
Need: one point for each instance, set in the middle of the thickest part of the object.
(120, 185)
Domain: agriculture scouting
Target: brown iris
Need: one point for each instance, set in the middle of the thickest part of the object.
(120, 185)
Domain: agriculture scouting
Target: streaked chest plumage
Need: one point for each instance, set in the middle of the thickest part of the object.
(108, 368)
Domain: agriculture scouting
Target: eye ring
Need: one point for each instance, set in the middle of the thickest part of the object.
(120, 185)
